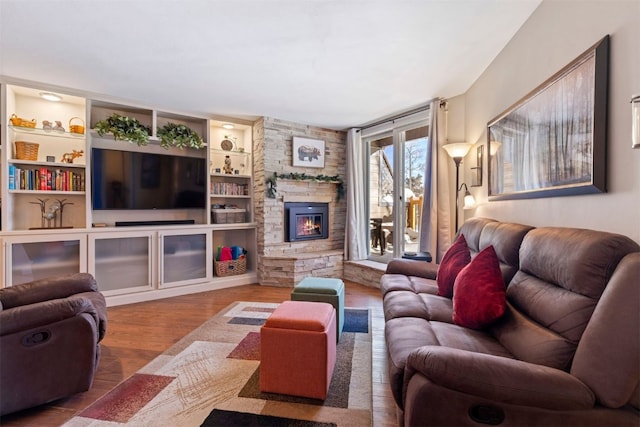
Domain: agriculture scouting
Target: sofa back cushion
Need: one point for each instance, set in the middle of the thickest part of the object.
(472, 230)
(530, 342)
(563, 272)
(47, 289)
(506, 238)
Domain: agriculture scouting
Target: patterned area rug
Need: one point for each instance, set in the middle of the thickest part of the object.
(211, 378)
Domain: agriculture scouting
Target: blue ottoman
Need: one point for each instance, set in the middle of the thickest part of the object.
(322, 289)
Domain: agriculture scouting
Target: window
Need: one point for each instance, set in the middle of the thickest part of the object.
(397, 153)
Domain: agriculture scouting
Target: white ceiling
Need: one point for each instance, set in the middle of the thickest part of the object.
(329, 63)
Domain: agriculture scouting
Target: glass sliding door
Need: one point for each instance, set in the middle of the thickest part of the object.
(414, 147)
(381, 195)
(397, 154)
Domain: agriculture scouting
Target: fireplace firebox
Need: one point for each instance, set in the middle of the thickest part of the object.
(306, 221)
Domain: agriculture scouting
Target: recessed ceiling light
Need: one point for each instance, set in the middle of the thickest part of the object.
(227, 126)
(50, 96)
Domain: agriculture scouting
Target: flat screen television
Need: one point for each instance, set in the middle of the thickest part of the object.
(133, 180)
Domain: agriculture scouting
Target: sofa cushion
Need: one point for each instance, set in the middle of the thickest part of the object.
(479, 292)
(406, 334)
(454, 336)
(454, 260)
(424, 306)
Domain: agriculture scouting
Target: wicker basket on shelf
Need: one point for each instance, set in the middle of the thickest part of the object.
(230, 268)
(26, 150)
(76, 125)
(18, 121)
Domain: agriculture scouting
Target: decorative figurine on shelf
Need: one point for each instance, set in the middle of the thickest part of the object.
(51, 215)
(47, 125)
(61, 203)
(68, 157)
(228, 169)
(54, 213)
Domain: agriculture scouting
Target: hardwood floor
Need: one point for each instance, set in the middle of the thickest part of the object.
(137, 333)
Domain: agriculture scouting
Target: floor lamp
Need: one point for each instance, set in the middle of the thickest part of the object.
(457, 151)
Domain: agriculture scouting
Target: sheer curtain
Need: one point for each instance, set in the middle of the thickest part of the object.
(355, 241)
(435, 225)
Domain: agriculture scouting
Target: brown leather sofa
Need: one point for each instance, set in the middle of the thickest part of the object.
(50, 331)
(566, 351)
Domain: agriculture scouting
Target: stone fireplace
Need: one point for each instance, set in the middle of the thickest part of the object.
(306, 221)
(283, 261)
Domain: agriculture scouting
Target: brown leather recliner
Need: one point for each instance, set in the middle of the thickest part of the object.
(566, 352)
(50, 331)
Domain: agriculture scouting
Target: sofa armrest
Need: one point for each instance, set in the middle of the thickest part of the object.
(99, 312)
(31, 316)
(499, 379)
(47, 289)
(410, 267)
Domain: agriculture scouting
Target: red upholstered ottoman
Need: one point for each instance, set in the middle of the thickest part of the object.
(298, 349)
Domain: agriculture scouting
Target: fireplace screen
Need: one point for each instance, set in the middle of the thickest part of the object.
(308, 225)
(306, 221)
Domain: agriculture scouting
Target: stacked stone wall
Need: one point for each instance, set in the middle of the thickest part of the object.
(282, 263)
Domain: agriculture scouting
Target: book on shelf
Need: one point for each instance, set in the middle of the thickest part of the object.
(12, 177)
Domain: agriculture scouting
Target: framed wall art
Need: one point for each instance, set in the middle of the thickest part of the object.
(553, 141)
(308, 153)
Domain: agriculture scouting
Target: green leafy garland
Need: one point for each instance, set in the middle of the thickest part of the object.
(272, 185)
(180, 136)
(124, 128)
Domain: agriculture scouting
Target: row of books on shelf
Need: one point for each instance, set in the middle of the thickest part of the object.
(45, 179)
(229, 189)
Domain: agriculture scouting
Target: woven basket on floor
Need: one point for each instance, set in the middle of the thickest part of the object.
(230, 268)
(26, 150)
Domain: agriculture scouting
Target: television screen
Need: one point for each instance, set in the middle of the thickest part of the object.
(133, 180)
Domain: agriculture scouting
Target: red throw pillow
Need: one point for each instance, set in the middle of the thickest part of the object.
(479, 294)
(454, 260)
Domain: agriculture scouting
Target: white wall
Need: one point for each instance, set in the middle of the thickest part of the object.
(556, 33)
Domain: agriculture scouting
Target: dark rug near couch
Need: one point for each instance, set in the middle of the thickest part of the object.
(211, 377)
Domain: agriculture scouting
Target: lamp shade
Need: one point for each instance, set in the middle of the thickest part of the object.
(469, 201)
(457, 149)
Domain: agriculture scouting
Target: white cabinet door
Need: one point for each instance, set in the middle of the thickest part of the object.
(36, 257)
(185, 257)
(122, 262)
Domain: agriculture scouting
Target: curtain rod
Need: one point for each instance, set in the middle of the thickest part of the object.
(400, 116)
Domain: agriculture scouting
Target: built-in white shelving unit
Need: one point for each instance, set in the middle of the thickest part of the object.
(160, 252)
